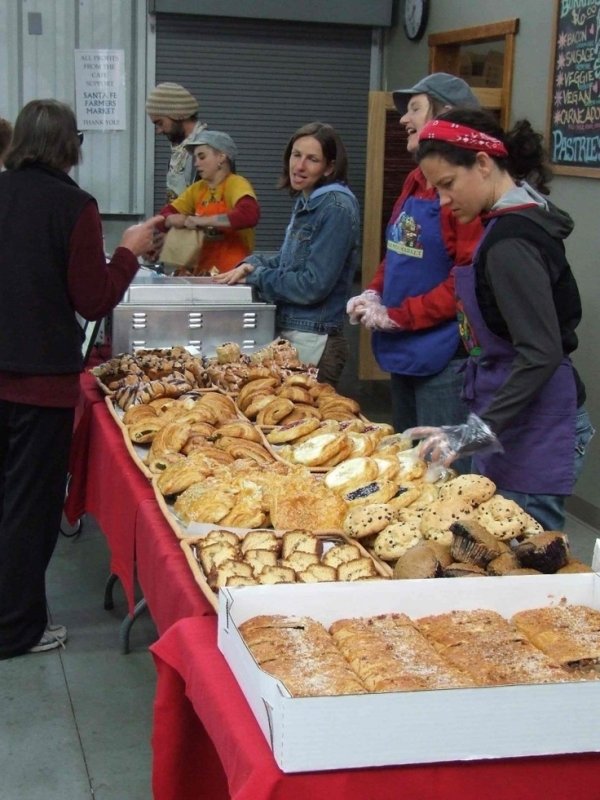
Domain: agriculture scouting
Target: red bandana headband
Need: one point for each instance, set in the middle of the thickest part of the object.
(463, 137)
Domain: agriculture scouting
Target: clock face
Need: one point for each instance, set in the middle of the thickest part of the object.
(415, 17)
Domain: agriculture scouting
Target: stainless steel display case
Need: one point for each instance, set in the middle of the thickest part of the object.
(161, 311)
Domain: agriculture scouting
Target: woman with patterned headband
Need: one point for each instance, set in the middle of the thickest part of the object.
(518, 307)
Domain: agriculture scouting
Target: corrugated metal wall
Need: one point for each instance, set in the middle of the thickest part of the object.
(260, 81)
(37, 61)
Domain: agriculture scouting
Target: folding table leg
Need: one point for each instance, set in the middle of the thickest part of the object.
(140, 606)
(108, 592)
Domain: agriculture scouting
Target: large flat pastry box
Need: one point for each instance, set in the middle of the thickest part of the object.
(322, 733)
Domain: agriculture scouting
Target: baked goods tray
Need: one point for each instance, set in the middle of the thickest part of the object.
(327, 540)
(139, 453)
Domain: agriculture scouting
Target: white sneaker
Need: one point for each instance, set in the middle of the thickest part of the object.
(54, 636)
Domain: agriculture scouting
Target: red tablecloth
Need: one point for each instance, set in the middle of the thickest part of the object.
(207, 745)
(163, 572)
(106, 483)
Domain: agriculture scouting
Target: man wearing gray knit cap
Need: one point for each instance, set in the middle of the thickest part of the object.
(174, 112)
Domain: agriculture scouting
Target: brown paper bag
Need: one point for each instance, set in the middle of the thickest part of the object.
(181, 248)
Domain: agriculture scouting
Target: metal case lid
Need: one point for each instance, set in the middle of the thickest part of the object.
(152, 288)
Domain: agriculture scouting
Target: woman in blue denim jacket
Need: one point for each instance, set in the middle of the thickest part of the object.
(311, 276)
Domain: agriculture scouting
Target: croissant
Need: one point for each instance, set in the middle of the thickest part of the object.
(145, 430)
(338, 401)
(295, 393)
(250, 450)
(199, 446)
(320, 389)
(277, 409)
(179, 476)
(300, 379)
(158, 464)
(170, 439)
(256, 402)
(253, 386)
(240, 430)
(255, 372)
(138, 413)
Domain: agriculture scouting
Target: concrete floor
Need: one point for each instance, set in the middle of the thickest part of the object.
(75, 723)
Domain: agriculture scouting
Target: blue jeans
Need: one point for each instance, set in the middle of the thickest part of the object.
(549, 509)
(430, 400)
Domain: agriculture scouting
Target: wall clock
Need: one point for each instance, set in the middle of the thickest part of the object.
(415, 18)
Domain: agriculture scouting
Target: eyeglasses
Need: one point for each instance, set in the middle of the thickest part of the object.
(80, 136)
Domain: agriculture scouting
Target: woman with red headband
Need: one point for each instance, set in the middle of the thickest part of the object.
(518, 307)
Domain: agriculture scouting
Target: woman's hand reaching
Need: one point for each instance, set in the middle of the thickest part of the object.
(445, 444)
(235, 275)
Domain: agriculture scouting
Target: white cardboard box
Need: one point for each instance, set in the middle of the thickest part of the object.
(320, 733)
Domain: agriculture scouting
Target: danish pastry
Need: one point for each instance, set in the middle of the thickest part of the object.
(377, 491)
(353, 471)
(256, 402)
(244, 515)
(318, 449)
(293, 430)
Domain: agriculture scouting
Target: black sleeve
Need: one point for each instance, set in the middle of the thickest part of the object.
(519, 279)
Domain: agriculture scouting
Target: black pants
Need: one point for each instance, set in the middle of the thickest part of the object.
(333, 360)
(34, 456)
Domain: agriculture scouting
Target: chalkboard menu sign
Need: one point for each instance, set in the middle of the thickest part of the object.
(574, 124)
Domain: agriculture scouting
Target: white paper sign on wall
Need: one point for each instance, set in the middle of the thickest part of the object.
(100, 90)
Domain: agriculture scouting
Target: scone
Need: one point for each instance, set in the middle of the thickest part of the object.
(396, 539)
(365, 520)
(473, 489)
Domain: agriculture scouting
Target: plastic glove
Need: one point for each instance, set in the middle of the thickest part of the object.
(445, 444)
(375, 318)
(356, 305)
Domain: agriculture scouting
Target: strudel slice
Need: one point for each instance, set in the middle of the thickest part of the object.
(487, 647)
(390, 654)
(570, 635)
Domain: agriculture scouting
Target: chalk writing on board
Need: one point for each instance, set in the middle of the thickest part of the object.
(575, 112)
